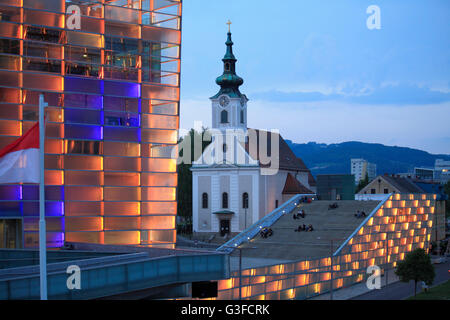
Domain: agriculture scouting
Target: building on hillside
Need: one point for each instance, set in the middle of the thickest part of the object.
(233, 183)
(360, 168)
(336, 187)
(112, 89)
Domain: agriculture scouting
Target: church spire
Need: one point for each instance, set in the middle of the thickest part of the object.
(229, 81)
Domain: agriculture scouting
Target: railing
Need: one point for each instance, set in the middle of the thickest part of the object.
(114, 275)
(266, 221)
(370, 197)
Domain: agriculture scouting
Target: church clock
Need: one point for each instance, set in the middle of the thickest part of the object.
(224, 101)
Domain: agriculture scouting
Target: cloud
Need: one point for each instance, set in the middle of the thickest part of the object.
(390, 94)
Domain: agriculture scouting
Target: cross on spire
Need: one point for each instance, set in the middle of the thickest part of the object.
(229, 25)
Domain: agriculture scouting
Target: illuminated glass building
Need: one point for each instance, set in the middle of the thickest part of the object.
(113, 93)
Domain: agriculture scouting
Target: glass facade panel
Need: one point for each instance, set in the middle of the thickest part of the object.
(106, 126)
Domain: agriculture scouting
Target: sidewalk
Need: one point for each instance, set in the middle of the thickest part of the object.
(357, 289)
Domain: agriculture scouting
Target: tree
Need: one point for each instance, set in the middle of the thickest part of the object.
(416, 266)
(362, 183)
(447, 202)
(184, 190)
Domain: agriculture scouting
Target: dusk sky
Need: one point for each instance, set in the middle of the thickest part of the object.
(313, 69)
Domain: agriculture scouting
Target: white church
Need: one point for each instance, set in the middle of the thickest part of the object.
(244, 173)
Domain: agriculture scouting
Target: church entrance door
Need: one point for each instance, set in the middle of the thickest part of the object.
(224, 227)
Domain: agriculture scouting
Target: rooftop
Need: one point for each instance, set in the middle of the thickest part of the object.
(329, 224)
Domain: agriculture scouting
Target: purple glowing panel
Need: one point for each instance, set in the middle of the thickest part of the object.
(10, 209)
(73, 131)
(55, 239)
(10, 192)
(52, 208)
(123, 89)
(30, 192)
(83, 116)
(82, 85)
(85, 101)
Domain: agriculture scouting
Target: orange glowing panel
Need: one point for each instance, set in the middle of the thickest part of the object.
(225, 284)
(158, 222)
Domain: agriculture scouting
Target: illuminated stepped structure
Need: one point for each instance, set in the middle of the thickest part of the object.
(398, 224)
(112, 122)
(286, 244)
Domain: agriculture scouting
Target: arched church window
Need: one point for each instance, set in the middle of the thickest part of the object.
(227, 66)
(245, 200)
(225, 200)
(205, 200)
(224, 116)
(242, 116)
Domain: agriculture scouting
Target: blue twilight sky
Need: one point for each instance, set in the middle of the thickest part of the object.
(313, 70)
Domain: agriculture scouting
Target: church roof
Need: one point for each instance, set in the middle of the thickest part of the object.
(287, 159)
(403, 185)
(229, 81)
(311, 180)
(293, 186)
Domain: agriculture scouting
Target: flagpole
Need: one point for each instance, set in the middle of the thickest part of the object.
(42, 228)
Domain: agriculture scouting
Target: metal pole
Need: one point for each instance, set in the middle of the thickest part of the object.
(331, 271)
(387, 263)
(42, 228)
(240, 274)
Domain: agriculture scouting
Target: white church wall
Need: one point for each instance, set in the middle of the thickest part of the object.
(204, 215)
(245, 185)
(215, 200)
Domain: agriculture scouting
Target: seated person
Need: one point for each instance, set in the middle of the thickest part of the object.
(363, 214)
(301, 213)
(269, 232)
(310, 228)
(294, 216)
(333, 206)
(263, 232)
(357, 214)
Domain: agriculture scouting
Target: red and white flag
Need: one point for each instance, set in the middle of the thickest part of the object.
(19, 161)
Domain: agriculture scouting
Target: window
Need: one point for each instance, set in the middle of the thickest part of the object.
(225, 200)
(205, 200)
(276, 204)
(245, 200)
(227, 66)
(224, 148)
(372, 191)
(386, 191)
(224, 116)
(242, 116)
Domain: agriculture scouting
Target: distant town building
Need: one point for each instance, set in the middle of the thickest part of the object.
(390, 184)
(360, 167)
(336, 187)
(440, 172)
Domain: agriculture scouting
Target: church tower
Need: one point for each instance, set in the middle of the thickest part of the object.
(229, 105)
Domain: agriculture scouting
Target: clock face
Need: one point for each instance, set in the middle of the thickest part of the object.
(224, 101)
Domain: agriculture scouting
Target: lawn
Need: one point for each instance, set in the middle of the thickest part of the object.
(440, 292)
